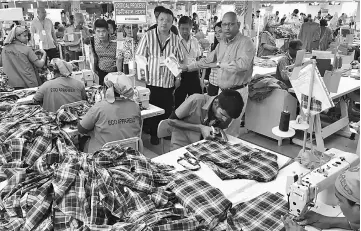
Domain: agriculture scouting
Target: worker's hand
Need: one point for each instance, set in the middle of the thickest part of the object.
(291, 225)
(183, 67)
(275, 49)
(41, 51)
(177, 82)
(314, 219)
(231, 66)
(207, 132)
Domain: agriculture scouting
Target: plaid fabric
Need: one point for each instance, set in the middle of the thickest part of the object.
(316, 105)
(236, 161)
(200, 197)
(261, 213)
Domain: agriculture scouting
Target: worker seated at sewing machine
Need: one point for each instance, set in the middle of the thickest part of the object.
(61, 89)
(347, 187)
(115, 118)
(204, 116)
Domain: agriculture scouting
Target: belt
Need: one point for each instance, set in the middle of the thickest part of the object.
(236, 87)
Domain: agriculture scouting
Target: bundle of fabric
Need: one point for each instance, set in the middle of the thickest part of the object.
(13, 96)
(262, 62)
(286, 31)
(4, 82)
(261, 86)
(236, 161)
(95, 94)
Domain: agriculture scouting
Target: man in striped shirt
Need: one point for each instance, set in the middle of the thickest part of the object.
(157, 45)
(190, 82)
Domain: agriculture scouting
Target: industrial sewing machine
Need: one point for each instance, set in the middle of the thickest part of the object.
(304, 190)
(141, 95)
(85, 76)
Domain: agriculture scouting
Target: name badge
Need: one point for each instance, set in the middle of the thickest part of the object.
(43, 32)
(71, 37)
(161, 61)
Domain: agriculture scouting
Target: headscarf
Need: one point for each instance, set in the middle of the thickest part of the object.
(17, 30)
(119, 83)
(64, 68)
(348, 184)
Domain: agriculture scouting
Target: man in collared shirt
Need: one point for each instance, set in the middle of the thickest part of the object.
(157, 45)
(190, 82)
(282, 73)
(234, 57)
(44, 28)
(193, 118)
(157, 11)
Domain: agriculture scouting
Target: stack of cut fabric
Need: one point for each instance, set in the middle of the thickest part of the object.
(262, 62)
(261, 86)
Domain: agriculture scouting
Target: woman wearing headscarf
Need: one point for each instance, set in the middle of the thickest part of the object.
(347, 191)
(326, 35)
(61, 89)
(20, 61)
(117, 117)
(267, 44)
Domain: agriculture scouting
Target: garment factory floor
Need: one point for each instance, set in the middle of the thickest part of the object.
(287, 149)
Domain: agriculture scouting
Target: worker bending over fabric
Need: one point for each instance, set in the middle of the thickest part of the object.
(348, 194)
(282, 73)
(61, 89)
(193, 118)
(115, 118)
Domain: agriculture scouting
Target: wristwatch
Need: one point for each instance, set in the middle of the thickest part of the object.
(218, 64)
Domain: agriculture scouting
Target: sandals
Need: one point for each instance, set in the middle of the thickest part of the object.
(189, 162)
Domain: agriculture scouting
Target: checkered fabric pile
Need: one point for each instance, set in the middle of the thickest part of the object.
(236, 161)
(52, 186)
(261, 213)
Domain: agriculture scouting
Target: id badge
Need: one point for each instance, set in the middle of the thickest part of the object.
(71, 37)
(43, 32)
(161, 61)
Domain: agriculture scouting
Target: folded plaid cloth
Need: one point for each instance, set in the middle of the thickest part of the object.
(236, 161)
(201, 198)
(261, 213)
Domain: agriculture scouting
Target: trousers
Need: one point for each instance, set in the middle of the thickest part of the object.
(190, 84)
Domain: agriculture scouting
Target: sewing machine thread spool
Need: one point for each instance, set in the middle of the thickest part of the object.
(126, 69)
(284, 121)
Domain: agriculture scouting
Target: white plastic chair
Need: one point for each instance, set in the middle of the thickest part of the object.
(134, 142)
(164, 130)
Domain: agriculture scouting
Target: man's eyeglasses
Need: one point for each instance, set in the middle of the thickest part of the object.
(231, 24)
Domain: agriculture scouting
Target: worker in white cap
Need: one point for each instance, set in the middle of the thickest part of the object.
(115, 118)
(348, 194)
(61, 89)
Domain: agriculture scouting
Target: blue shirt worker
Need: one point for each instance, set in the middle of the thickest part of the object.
(60, 90)
(196, 116)
(117, 117)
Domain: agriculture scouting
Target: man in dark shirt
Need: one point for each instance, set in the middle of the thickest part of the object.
(157, 11)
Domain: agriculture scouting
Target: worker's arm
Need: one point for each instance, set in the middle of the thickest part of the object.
(182, 112)
(32, 32)
(209, 62)
(35, 60)
(39, 95)
(87, 123)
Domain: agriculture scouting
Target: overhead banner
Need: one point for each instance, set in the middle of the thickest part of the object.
(130, 12)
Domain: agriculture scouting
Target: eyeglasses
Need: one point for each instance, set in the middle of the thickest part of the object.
(231, 24)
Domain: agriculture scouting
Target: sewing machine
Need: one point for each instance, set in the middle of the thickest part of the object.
(141, 95)
(304, 189)
(85, 76)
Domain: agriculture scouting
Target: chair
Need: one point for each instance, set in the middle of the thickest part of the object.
(164, 130)
(134, 142)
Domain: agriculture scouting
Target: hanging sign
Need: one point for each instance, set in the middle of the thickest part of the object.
(131, 12)
(202, 8)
